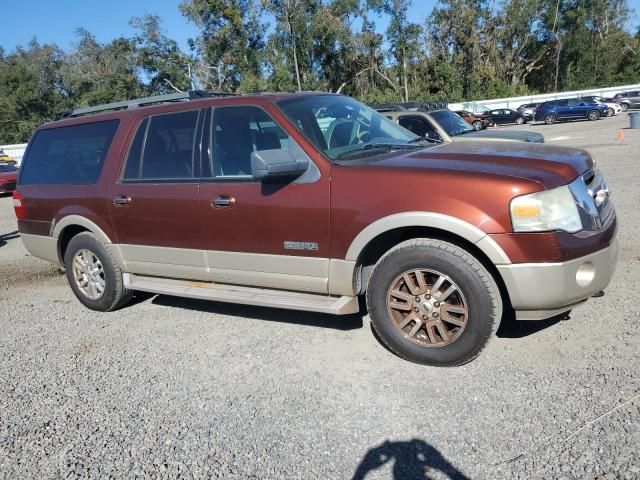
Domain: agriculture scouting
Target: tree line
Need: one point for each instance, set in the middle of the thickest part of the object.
(370, 49)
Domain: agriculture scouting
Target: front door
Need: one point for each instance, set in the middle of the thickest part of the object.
(154, 202)
(272, 233)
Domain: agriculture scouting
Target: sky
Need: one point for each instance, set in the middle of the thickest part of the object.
(55, 21)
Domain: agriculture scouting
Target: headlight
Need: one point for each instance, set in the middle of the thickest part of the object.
(545, 211)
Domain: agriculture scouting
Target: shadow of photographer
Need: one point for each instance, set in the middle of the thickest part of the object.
(412, 460)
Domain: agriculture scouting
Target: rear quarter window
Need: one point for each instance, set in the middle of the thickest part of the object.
(68, 155)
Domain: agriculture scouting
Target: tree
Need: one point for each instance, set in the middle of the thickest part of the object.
(163, 65)
(231, 41)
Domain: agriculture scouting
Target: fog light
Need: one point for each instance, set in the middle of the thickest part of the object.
(585, 274)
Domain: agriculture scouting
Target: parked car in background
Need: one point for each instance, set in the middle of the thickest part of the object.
(628, 100)
(503, 116)
(250, 200)
(443, 124)
(477, 121)
(569, 109)
(613, 108)
(8, 177)
(528, 109)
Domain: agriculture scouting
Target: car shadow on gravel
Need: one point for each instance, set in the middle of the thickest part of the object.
(8, 236)
(336, 322)
(512, 328)
(414, 459)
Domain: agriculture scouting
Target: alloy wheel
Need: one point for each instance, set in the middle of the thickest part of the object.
(427, 307)
(88, 274)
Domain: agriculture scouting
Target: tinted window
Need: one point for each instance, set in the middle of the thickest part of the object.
(68, 155)
(132, 169)
(237, 132)
(417, 125)
(169, 145)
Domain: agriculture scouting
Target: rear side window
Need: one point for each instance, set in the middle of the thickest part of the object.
(68, 155)
(163, 148)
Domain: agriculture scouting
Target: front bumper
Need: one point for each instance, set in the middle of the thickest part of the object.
(543, 290)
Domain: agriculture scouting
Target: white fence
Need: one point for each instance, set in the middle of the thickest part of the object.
(15, 151)
(514, 102)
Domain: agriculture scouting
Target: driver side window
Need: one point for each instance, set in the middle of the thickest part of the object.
(418, 125)
(237, 132)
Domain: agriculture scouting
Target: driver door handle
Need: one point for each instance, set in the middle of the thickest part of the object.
(223, 201)
(122, 200)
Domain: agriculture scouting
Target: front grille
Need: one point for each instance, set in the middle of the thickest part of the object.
(591, 194)
(599, 192)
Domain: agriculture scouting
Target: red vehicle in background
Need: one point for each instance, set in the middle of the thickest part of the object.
(8, 177)
(477, 121)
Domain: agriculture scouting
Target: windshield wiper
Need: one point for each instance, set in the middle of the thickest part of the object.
(379, 146)
(424, 139)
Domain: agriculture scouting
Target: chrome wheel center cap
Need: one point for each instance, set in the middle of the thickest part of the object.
(427, 307)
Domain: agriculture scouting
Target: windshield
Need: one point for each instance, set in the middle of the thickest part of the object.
(7, 168)
(341, 126)
(452, 123)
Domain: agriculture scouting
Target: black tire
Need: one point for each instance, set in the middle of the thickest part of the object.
(594, 115)
(482, 295)
(624, 106)
(549, 119)
(477, 125)
(520, 120)
(610, 112)
(114, 295)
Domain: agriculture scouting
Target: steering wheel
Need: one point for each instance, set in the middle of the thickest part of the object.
(361, 136)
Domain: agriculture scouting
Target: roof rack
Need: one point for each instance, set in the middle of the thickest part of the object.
(411, 106)
(139, 102)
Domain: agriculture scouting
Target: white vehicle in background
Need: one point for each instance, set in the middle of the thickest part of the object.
(613, 108)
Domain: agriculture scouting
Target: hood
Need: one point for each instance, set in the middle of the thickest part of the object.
(511, 135)
(550, 166)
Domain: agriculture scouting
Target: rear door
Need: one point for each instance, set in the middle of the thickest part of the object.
(154, 201)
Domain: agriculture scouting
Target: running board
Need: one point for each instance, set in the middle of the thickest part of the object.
(261, 297)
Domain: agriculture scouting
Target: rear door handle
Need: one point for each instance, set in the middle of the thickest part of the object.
(223, 201)
(122, 200)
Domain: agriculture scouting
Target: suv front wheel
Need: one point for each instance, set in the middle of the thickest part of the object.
(94, 275)
(433, 303)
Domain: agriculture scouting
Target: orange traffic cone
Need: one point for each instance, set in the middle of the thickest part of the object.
(620, 136)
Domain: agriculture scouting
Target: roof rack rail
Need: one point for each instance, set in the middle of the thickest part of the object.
(139, 102)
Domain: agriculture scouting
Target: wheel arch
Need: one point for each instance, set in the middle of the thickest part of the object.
(382, 235)
(70, 226)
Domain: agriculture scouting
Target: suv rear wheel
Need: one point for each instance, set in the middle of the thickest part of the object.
(433, 303)
(93, 274)
(549, 119)
(594, 115)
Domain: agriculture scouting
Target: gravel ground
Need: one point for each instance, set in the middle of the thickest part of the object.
(170, 388)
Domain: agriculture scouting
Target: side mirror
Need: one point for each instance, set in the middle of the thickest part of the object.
(276, 163)
(433, 136)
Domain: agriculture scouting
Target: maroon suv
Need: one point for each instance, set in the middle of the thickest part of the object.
(308, 201)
